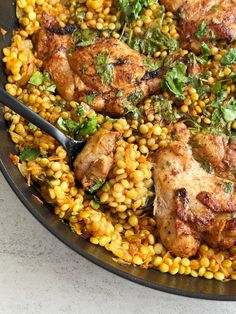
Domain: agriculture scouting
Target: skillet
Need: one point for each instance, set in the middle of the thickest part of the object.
(179, 285)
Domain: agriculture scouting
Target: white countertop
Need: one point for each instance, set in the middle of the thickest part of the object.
(39, 274)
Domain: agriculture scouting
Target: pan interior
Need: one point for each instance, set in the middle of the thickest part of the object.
(181, 285)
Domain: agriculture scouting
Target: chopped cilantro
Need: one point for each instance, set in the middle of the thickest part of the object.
(81, 109)
(88, 127)
(131, 108)
(36, 78)
(176, 79)
(32, 127)
(103, 67)
(152, 64)
(206, 51)
(99, 182)
(90, 98)
(206, 165)
(202, 30)
(68, 125)
(132, 10)
(50, 88)
(119, 94)
(135, 97)
(29, 154)
(229, 58)
(216, 88)
(83, 38)
(229, 186)
(215, 7)
(80, 15)
(164, 108)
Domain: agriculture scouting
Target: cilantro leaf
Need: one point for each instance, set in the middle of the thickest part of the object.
(206, 51)
(88, 127)
(132, 9)
(216, 88)
(229, 112)
(176, 79)
(99, 182)
(229, 186)
(83, 38)
(164, 108)
(90, 98)
(103, 67)
(67, 125)
(152, 64)
(50, 88)
(80, 15)
(36, 78)
(82, 108)
(202, 30)
(29, 154)
(229, 58)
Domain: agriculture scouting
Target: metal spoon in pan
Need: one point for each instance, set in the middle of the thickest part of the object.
(72, 147)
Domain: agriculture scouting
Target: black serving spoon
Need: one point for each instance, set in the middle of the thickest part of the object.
(71, 146)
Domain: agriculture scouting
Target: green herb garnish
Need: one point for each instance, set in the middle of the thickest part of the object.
(119, 94)
(87, 128)
(29, 154)
(229, 58)
(164, 108)
(202, 30)
(152, 64)
(133, 9)
(229, 186)
(176, 79)
(99, 182)
(103, 67)
(36, 78)
(83, 38)
(90, 98)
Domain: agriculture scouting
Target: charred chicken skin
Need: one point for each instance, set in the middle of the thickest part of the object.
(218, 15)
(191, 205)
(79, 71)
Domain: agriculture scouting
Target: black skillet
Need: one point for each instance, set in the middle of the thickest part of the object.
(180, 285)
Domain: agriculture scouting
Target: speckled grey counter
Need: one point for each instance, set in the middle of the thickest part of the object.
(39, 274)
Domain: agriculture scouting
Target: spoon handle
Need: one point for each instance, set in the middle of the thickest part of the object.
(32, 117)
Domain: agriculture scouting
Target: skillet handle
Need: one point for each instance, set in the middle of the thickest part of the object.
(31, 116)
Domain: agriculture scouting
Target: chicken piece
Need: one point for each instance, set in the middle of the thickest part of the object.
(220, 153)
(219, 16)
(108, 70)
(191, 205)
(96, 159)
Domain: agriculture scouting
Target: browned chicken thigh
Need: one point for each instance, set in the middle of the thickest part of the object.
(191, 205)
(218, 15)
(94, 162)
(108, 71)
(219, 152)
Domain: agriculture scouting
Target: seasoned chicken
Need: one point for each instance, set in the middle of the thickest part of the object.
(95, 160)
(219, 152)
(110, 73)
(191, 205)
(219, 16)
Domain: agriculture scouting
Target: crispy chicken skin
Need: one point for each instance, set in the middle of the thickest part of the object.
(74, 71)
(219, 16)
(96, 159)
(191, 205)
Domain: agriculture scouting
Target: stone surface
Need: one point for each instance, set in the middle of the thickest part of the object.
(39, 274)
